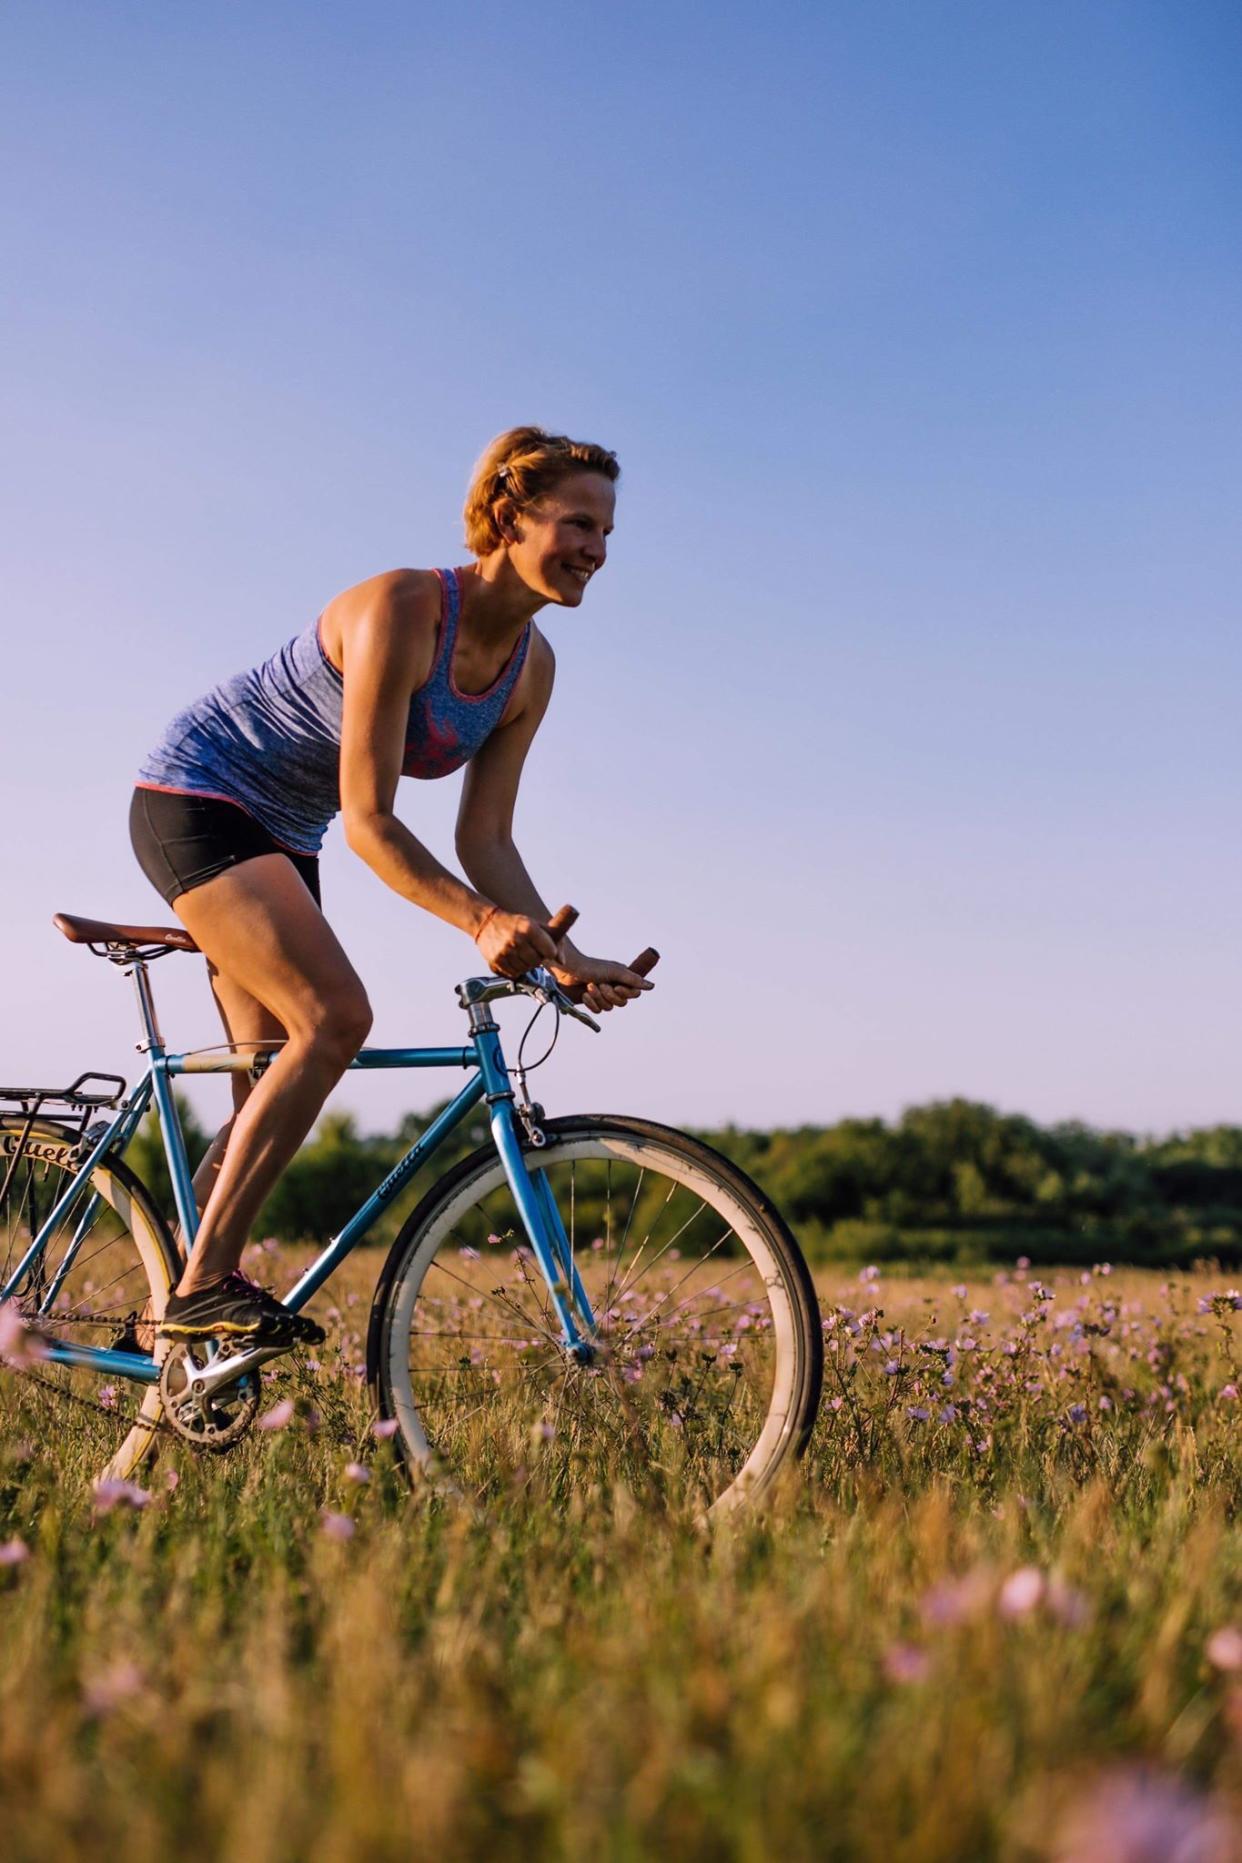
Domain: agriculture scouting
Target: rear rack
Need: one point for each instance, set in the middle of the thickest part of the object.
(76, 1101)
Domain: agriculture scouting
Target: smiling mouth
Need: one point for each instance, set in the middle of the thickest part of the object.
(581, 576)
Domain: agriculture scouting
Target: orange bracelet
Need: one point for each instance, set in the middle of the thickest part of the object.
(485, 921)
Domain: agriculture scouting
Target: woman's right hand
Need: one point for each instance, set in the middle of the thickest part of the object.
(512, 943)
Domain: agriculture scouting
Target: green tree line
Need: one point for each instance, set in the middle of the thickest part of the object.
(953, 1180)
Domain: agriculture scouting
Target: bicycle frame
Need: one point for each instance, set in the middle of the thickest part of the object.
(481, 1056)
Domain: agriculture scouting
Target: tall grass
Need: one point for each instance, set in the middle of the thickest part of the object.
(988, 1616)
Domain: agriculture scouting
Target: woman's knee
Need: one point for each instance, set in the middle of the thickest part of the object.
(340, 1024)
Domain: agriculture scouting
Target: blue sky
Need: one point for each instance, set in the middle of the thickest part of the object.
(903, 720)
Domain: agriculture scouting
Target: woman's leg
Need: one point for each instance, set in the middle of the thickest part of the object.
(246, 1024)
(263, 933)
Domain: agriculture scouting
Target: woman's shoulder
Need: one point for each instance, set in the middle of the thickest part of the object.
(402, 602)
(399, 592)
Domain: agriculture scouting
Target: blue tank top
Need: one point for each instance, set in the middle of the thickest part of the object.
(269, 740)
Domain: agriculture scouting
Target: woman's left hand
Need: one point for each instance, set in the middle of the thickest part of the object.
(604, 985)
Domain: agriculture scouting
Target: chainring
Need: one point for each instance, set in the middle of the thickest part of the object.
(217, 1422)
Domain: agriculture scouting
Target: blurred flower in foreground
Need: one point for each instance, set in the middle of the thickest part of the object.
(1068, 1606)
(955, 1600)
(279, 1416)
(111, 1687)
(384, 1427)
(19, 1343)
(336, 1526)
(1136, 1816)
(1223, 1648)
(110, 1494)
(14, 1552)
(1021, 1592)
(358, 1472)
(903, 1662)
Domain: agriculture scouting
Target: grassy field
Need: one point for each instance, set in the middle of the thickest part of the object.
(995, 1613)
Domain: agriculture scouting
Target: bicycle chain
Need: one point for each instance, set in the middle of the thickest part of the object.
(154, 1424)
(89, 1403)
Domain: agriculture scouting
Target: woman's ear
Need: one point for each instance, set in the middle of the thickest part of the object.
(506, 515)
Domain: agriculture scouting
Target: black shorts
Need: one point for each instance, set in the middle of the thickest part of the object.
(182, 841)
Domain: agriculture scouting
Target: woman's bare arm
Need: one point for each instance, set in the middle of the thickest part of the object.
(385, 656)
(486, 848)
(489, 794)
(385, 651)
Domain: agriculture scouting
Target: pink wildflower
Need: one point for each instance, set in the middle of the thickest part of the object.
(1223, 1649)
(384, 1427)
(14, 1552)
(955, 1600)
(336, 1526)
(1021, 1592)
(279, 1416)
(904, 1662)
(1133, 1815)
(110, 1494)
(357, 1472)
(1068, 1606)
(20, 1344)
(113, 1686)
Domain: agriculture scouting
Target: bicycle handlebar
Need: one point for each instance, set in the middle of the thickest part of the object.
(560, 923)
(541, 983)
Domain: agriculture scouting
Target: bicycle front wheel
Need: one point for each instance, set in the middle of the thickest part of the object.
(101, 1280)
(706, 1354)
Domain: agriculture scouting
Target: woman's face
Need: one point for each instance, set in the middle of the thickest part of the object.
(559, 542)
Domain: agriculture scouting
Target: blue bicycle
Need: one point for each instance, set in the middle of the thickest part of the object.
(609, 1287)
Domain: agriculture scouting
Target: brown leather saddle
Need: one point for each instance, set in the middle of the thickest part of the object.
(153, 939)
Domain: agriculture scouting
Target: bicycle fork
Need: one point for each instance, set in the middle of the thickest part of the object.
(533, 1195)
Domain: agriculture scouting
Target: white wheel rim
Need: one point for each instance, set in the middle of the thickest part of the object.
(631, 1149)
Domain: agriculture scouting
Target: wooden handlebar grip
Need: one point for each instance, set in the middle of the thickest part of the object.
(645, 962)
(561, 921)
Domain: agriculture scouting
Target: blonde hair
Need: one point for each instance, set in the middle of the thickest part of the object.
(522, 465)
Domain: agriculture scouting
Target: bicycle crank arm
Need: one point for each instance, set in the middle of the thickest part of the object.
(210, 1378)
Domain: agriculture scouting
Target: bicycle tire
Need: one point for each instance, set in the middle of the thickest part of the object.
(138, 1265)
(427, 1401)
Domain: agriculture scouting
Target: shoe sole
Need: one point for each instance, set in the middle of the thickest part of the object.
(262, 1335)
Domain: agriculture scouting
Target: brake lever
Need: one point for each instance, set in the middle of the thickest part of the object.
(548, 990)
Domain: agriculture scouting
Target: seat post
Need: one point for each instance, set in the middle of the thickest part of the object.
(154, 1042)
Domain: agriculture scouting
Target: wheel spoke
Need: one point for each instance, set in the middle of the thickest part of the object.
(108, 1276)
(669, 1396)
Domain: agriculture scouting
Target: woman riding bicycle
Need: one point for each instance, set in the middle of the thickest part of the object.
(414, 672)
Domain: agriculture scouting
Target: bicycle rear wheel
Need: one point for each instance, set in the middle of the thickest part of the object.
(707, 1359)
(102, 1280)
